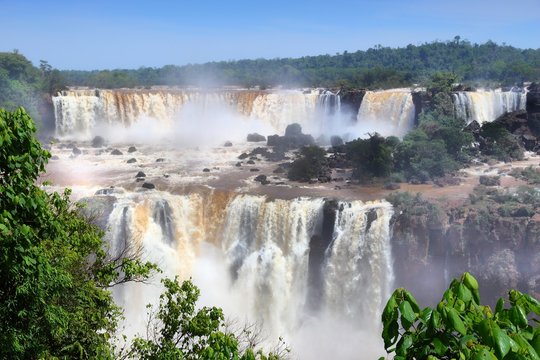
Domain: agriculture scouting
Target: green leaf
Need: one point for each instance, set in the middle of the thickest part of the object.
(484, 354)
(412, 301)
(390, 310)
(439, 347)
(500, 305)
(464, 293)
(408, 317)
(455, 321)
(518, 316)
(501, 342)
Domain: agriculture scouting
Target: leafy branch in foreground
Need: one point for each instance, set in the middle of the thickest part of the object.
(177, 330)
(460, 328)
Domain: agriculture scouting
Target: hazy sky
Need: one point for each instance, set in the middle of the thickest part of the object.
(98, 34)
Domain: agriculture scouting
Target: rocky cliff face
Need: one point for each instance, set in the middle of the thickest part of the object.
(498, 242)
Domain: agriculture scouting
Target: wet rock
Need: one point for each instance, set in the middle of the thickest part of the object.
(293, 139)
(279, 170)
(160, 160)
(227, 144)
(254, 170)
(76, 151)
(238, 164)
(132, 149)
(166, 176)
(250, 162)
(140, 174)
(260, 178)
(254, 137)
(206, 170)
(116, 152)
(243, 156)
(371, 217)
(98, 141)
(148, 185)
(139, 179)
(293, 130)
(132, 160)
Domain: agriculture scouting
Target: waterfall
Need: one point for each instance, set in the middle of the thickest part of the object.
(82, 111)
(388, 112)
(263, 247)
(358, 258)
(486, 106)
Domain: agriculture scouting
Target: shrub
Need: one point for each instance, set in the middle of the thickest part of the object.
(459, 327)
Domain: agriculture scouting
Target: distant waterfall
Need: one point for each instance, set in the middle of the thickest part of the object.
(486, 106)
(265, 247)
(389, 112)
(81, 111)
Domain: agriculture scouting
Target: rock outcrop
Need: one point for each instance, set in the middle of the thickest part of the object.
(496, 242)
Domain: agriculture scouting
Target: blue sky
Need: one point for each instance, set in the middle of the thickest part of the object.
(111, 34)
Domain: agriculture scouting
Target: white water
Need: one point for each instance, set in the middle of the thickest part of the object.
(486, 106)
(250, 256)
(89, 112)
(138, 115)
(389, 112)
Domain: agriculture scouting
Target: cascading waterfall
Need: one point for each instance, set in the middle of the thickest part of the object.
(486, 106)
(81, 111)
(359, 257)
(265, 248)
(388, 112)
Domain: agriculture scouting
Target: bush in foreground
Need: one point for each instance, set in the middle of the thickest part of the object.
(459, 327)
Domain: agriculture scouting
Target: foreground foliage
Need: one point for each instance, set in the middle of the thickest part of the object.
(179, 331)
(56, 274)
(460, 328)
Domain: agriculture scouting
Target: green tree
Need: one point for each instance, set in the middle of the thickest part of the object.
(371, 157)
(180, 331)
(460, 327)
(310, 164)
(54, 268)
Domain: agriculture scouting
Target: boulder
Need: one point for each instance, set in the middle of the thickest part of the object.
(250, 162)
(132, 149)
(76, 151)
(227, 144)
(132, 160)
(159, 160)
(238, 164)
(140, 174)
(243, 156)
(254, 137)
(293, 130)
(116, 152)
(293, 139)
(253, 170)
(206, 170)
(260, 178)
(148, 185)
(98, 141)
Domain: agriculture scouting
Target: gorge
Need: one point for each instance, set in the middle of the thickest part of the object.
(308, 262)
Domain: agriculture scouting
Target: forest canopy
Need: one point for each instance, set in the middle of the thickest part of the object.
(377, 67)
